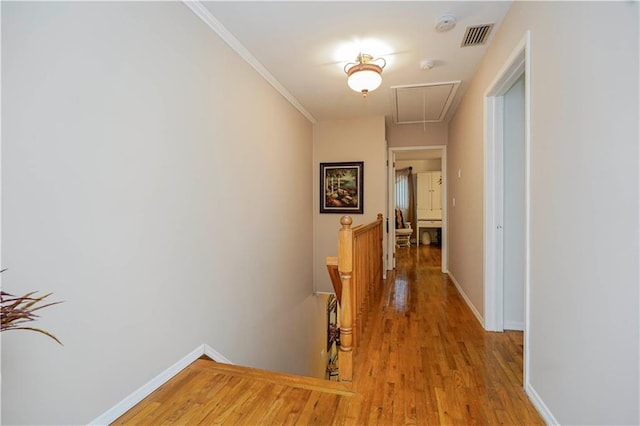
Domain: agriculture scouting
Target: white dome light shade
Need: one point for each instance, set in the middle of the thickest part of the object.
(364, 81)
(365, 75)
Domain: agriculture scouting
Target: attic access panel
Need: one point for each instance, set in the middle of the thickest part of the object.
(424, 103)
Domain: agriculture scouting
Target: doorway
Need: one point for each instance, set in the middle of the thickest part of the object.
(506, 197)
(419, 154)
(513, 206)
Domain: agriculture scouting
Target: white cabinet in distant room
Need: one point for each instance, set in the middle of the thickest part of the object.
(429, 196)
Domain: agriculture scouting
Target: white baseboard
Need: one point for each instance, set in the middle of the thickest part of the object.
(215, 355)
(145, 390)
(542, 408)
(514, 325)
(466, 299)
(535, 399)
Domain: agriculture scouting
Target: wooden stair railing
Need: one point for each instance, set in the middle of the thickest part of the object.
(356, 275)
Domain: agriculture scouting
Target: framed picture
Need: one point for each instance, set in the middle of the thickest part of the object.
(341, 187)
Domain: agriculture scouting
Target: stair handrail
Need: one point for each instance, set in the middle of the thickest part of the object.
(356, 285)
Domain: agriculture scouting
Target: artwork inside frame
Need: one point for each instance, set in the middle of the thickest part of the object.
(342, 187)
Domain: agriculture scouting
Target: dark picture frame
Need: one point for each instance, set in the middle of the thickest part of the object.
(342, 187)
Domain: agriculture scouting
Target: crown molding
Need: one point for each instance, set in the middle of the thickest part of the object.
(203, 13)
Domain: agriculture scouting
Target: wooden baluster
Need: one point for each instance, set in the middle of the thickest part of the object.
(334, 274)
(357, 285)
(345, 266)
(380, 257)
(364, 283)
(355, 291)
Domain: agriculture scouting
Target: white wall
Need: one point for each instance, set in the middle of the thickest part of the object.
(360, 139)
(162, 189)
(584, 202)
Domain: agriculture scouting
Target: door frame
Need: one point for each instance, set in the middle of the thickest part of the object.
(391, 202)
(518, 63)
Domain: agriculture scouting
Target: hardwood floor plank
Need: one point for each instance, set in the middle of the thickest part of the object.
(229, 408)
(423, 359)
(143, 412)
(308, 414)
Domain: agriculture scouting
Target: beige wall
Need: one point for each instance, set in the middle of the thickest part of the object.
(420, 165)
(361, 139)
(584, 202)
(465, 220)
(162, 189)
(401, 135)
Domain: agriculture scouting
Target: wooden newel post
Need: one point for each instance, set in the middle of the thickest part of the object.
(345, 267)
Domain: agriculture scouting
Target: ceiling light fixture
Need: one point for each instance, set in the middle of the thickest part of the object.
(365, 75)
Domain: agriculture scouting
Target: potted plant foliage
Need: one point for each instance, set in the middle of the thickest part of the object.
(18, 311)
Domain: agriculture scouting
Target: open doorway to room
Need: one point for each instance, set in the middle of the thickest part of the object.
(417, 190)
(507, 198)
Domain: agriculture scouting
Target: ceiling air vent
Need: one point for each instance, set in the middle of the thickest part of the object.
(476, 35)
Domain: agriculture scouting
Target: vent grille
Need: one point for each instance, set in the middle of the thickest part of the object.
(476, 35)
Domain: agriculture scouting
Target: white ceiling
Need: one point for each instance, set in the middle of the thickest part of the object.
(304, 45)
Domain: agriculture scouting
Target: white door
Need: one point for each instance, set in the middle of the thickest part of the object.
(423, 196)
(429, 197)
(436, 194)
(391, 210)
(513, 266)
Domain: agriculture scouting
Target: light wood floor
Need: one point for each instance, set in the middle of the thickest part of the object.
(424, 360)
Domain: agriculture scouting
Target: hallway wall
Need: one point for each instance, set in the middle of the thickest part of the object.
(360, 139)
(403, 135)
(584, 202)
(135, 190)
